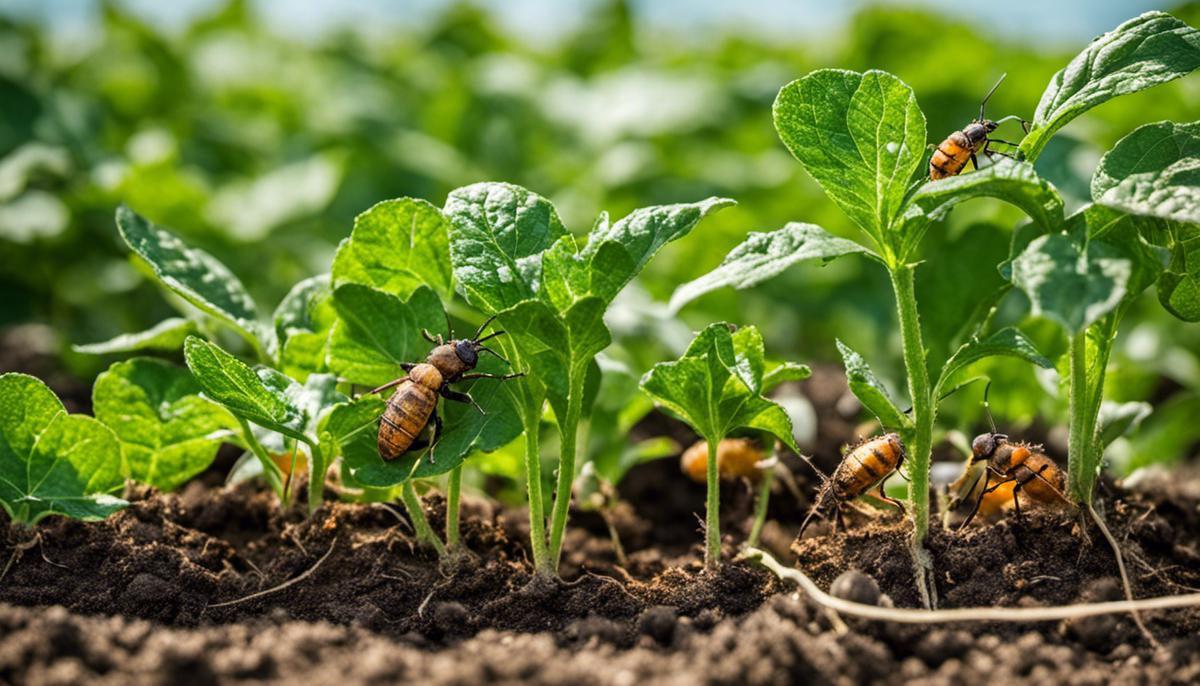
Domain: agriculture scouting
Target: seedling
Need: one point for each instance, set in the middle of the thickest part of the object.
(716, 387)
(738, 459)
(513, 258)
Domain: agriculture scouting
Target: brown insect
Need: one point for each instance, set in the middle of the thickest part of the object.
(413, 406)
(869, 463)
(952, 154)
(736, 458)
(1023, 465)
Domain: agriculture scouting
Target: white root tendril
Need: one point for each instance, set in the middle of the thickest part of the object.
(965, 614)
(1112, 542)
(290, 582)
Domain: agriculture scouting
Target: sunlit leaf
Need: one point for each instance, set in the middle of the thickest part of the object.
(166, 335)
(1154, 171)
(397, 246)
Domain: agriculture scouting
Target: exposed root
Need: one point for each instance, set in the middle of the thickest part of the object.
(19, 552)
(1112, 542)
(923, 574)
(965, 614)
(290, 582)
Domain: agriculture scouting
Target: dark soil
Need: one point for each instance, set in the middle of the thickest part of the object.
(145, 596)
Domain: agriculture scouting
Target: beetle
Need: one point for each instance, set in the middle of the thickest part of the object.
(414, 404)
(866, 464)
(1023, 465)
(951, 155)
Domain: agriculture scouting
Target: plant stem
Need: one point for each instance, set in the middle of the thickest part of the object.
(270, 470)
(1078, 482)
(568, 430)
(412, 503)
(316, 477)
(453, 494)
(530, 407)
(760, 507)
(923, 409)
(712, 509)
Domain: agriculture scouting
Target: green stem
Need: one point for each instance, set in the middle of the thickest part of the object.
(453, 494)
(760, 507)
(412, 503)
(568, 430)
(316, 477)
(712, 509)
(531, 419)
(270, 470)
(1077, 440)
(923, 410)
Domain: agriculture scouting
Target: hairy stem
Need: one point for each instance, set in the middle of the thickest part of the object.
(1079, 482)
(453, 495)
(923, 409)
(712, 509)
(416, 513)
(568, 430)
(270, 470)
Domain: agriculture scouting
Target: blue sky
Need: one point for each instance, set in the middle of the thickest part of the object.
(1050, 21)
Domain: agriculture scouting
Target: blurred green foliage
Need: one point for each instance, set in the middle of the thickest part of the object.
(261, 149)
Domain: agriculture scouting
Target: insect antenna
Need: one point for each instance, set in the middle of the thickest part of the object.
(483, 326)
(989, 94)
(484, 348)
(987, 409)
(490, 336)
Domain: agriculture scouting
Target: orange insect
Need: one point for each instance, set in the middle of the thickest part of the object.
(869, 463)
(414, 404)
(736, 457)
(952, 154)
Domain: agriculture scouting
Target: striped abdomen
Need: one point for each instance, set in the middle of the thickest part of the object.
(866, 464)
(1039, 477)
(407, 413)
(952, 155)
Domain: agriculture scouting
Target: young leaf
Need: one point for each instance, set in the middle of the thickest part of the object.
(168, 433)
(619, 252)
(557, 345)
(1007, 341)
(303, 321)
(52, 462)
(166, 335)
(1179, 285)
(263, 396)
(397, 246)
(1118, 419)
(377, 331)
(708, 388)
(764, 255)
(861, 136)
(497, 234)
(1008, 180)
(1141, 53)
(1153, 172)
(1073, 286)
(871, 393)
(195, 275)
(783, 373)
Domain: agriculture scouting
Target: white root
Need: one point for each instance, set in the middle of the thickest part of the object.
(1112, 542)
(290, 582)
(965, 614)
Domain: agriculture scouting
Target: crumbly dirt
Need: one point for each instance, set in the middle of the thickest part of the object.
(144, 597)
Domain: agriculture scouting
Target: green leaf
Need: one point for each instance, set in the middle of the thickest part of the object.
(710, 386)
(1008, 342)
(1117, 419)
(1013, 182)
(556, 345)
(861, 136)
(397, 246)
(303, 321)
(871, 392)
(783, 373)
(196, 276)
(1179, 285)
(619, 252)
(168, 433)
(497, 234)
(376, 332)
(1154, 171)
(166, 335)
(263, 396)
(1071, 285)
(52, 462)
(1141, 53)
(764, 255)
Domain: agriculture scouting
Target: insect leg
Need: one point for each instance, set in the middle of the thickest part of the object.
(482, 375)
(1017, 503)
(890, 500)
(450, 394)
(975, 161)
(431, 338)
(437, 433)
(388, 385)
